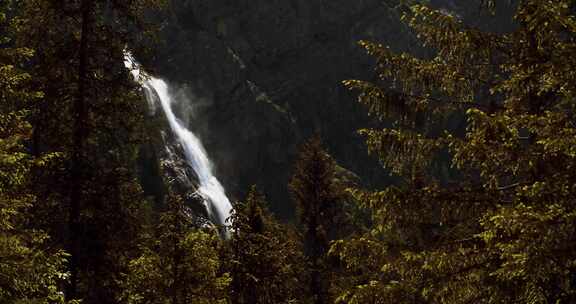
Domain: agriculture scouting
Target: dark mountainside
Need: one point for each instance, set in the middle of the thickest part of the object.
(265, 75)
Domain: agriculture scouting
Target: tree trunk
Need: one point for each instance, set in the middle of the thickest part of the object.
(80, 115)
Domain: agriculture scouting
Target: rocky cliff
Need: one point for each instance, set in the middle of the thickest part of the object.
(266, 74)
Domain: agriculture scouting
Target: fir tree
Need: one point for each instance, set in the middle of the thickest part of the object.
(181, 264)
(319, 197)
(92, 114)
(500, 229)
(264, 259)
(30, 271)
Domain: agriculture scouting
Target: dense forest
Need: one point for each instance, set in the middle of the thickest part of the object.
(464, 190)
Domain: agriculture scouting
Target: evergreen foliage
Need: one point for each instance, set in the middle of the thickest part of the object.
(30, 271)
(264, 258)
(319, 196)
(500, 228)
(92, 115)
(180, 265)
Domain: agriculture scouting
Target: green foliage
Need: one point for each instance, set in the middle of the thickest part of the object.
(151, 276)
(91, 114)
(264, 258)
(320, 200)
(500, 228)
(182, 264)
(30, 271)
(318, 193)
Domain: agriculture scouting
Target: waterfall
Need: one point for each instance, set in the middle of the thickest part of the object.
(157, 91)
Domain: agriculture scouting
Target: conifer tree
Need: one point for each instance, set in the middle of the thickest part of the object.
(92, 114)
(500, 229)
(181, 264)
(30, 271)
(263, 257)
(319, 197)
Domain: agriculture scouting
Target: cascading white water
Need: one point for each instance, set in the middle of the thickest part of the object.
(217, 203)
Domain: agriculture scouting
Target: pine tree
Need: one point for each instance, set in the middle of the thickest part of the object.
(182, 264)
(92, 114)
(264, 258)
(500, 227)
(30, 271)
(319, 197)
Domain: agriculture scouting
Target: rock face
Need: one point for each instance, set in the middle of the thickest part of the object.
(266, 75)
(162, 168)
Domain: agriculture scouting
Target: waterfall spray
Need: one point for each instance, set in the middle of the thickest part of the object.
(216, 202)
